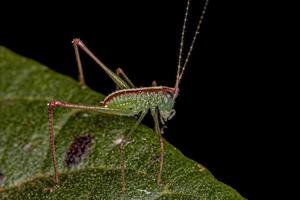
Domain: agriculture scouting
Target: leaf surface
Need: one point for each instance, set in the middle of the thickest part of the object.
(26, 169)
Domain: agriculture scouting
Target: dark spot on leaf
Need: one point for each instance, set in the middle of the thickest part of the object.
(78, 150)
(1, 178)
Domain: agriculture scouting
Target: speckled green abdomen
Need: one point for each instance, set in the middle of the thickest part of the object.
(142, 99)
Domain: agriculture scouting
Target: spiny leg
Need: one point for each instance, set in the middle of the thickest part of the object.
(117, 80)
(122, 149)
(54, 104)
(161, 141)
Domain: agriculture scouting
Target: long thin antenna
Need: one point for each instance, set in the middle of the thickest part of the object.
(182, 38)
(195, 36)
(180, 70)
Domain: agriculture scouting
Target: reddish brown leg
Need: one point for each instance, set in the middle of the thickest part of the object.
(54, 104)
(119, 82)
(79, 65)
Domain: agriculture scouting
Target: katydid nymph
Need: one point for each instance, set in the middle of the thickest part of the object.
(129, 100)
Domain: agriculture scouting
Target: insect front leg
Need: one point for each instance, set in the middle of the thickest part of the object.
(154, 114)
(54, 104)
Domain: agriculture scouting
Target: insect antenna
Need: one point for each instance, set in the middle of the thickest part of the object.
(180, 67)
(182, 39)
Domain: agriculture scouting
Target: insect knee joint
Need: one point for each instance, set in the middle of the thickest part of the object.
(54, 104)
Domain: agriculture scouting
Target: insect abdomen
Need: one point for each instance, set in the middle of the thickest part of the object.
(137, 100)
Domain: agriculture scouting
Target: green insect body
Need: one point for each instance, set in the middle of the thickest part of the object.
(135, 101)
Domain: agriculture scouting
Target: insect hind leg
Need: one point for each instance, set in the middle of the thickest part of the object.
(116, 79)
(54, 104)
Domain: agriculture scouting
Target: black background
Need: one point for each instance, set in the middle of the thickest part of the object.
(222, 112)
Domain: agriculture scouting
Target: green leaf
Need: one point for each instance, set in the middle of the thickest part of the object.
(25, 162)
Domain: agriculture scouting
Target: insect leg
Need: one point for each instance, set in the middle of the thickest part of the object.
(54, 104)
(122, 74)
(122, 149)
(158, 131)
(79, 65)
(118, 81)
